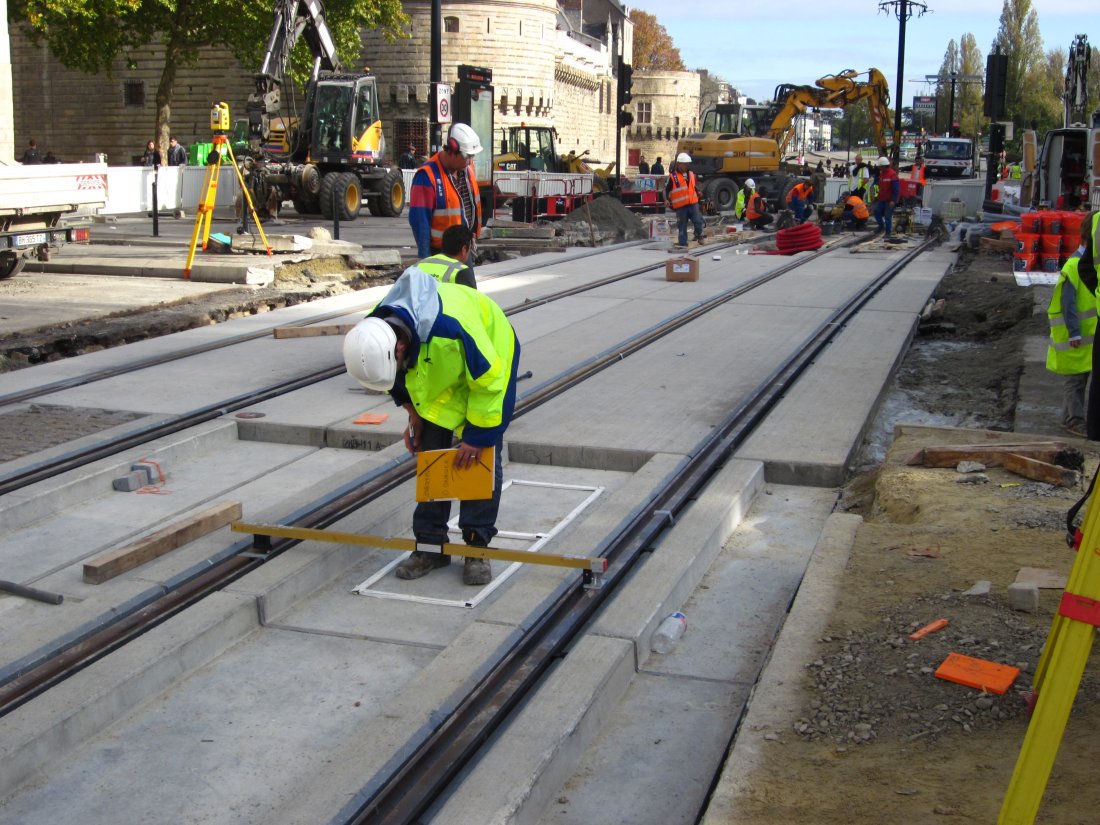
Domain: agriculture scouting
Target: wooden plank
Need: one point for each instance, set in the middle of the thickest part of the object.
(1039, 470)
(597, 564)
(989, 454)
(314, 331)
(115, 562)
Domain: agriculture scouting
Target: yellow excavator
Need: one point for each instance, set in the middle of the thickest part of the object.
(740, 141)
(535, 148)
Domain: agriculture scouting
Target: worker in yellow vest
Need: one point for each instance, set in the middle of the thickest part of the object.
(683, 194)
(1072, 319)
(449, 266)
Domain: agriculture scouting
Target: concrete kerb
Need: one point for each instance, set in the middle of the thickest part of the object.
(774, 700)
(545, 744)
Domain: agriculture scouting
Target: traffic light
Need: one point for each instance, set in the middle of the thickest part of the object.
(625, 119)
(996, 70)
(626, 80)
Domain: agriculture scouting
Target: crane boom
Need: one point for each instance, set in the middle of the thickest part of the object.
(294, 19)
(834, 91)
(1077, 73)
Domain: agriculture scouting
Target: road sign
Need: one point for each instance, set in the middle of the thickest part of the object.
(443, 103)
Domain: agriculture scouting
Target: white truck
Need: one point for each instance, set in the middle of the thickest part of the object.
(43, 206)
(946, 157)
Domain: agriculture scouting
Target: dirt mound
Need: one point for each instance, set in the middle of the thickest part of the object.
(607, 217)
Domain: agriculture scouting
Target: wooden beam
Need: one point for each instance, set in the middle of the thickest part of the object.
(949, 455)
(314, 331)
(115, 562)
(1039, 470)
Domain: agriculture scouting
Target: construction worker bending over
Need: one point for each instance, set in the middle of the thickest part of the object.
(855, 213)
(800, 200)
(444, 192)
(448, 355)
(1072, 320)
(889, 191)
(449, 266)
(684, 197)
(751, 207)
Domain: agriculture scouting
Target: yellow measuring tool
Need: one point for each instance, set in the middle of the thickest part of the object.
(1058, 677)
(596, 565)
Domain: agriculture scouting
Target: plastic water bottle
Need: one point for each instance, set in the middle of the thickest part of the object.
(669, 632)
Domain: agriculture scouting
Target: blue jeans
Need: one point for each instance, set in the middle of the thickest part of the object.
(683, 215)
(476, 519)
(883, 212)
(800, 208)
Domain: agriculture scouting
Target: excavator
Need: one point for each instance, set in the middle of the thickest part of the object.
(331, 156)
(535, 148)
(740, 141)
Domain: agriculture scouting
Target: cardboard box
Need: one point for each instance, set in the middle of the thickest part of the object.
(682, 269)
(660, 229)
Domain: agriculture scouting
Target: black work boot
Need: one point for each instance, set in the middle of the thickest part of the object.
(476, 571)
(420, 563)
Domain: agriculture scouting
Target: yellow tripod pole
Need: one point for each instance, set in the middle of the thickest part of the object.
(1058, 677)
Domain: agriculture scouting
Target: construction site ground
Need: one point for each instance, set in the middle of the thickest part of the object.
(864, 731)
(853, 725)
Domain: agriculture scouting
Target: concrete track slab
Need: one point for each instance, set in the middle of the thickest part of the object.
(638, 402)
(682, 714)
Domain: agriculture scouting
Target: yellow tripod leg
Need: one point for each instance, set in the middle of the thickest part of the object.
(202, 215)
(248, 198)
(1062, 664)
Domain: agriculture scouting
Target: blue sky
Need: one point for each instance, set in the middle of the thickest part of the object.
(758, 45)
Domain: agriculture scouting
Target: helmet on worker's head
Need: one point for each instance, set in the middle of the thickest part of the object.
(463, 139)
(750, 183)
(369, 354)
(883, 161)
(683, 157)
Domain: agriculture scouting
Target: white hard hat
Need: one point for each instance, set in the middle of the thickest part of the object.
(464, 139)
(883, 161)
(369, 355)
(750, 183)
(683, 157)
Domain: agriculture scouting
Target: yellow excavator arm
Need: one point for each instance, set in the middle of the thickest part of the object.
(834, 91)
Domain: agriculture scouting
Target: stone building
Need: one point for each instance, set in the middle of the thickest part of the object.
(666, 108)
(553, 63)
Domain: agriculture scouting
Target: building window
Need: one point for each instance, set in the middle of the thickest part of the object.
(488, 25)
(133, 93)
(450, 24)
(644, 112)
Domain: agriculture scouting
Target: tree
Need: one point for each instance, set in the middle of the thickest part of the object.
(653, 46)
(89, 35)
(1019, 39)
(944, 101)
(968, 104)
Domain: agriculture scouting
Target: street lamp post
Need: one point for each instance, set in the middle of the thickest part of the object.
(903, 10)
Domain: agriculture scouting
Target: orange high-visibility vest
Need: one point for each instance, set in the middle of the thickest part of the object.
(801, 191)
(859, 208)
(448, 205)
(755, 207)
(682, 190)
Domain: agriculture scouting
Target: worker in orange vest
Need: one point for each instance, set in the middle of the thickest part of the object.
(684, 197)
(855, 213)
(799, 199)
(756, 210)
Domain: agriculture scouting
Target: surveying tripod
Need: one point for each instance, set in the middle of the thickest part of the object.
(219, 122)
(1058, 675)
